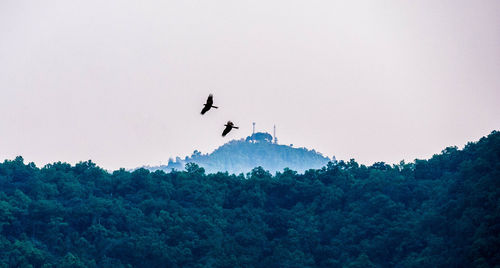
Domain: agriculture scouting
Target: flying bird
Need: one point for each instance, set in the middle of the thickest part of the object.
(209, 105)
(228, 128)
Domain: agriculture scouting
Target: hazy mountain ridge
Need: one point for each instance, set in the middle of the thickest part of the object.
(241, 156)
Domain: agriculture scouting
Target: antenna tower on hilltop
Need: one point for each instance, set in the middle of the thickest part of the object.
(275, 139)
(253, 131)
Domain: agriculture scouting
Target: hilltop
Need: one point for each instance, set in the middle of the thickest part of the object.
(241, 156)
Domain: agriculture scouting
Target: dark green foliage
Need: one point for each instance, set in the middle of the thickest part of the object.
(441, 212)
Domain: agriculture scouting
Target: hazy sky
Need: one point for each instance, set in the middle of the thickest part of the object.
(123, 82)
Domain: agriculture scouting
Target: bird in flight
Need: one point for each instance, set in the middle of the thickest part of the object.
(228, 128)
(209, 105)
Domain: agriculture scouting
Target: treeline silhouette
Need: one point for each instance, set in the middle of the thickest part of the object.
(441, 212)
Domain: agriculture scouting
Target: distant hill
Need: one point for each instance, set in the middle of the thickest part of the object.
(241, 156)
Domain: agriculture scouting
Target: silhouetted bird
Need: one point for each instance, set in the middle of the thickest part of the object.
(228, 128)
(209, 105)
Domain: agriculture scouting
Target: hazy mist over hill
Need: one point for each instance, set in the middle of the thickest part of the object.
(241, 156)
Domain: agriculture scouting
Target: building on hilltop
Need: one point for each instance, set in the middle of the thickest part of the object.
(262, 136)
(259, 137)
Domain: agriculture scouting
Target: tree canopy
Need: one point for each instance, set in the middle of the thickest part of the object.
(441, 212)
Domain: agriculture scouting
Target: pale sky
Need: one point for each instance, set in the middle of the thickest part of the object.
(122, 82)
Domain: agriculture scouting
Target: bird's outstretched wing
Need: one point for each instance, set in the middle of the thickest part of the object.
(226, 130)
(205, 109)
(210, 100)
(208, 105)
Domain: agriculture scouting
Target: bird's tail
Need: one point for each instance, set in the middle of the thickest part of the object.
(215, 107)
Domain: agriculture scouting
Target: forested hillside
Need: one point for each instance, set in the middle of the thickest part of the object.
(441, 212)
(241, 156)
